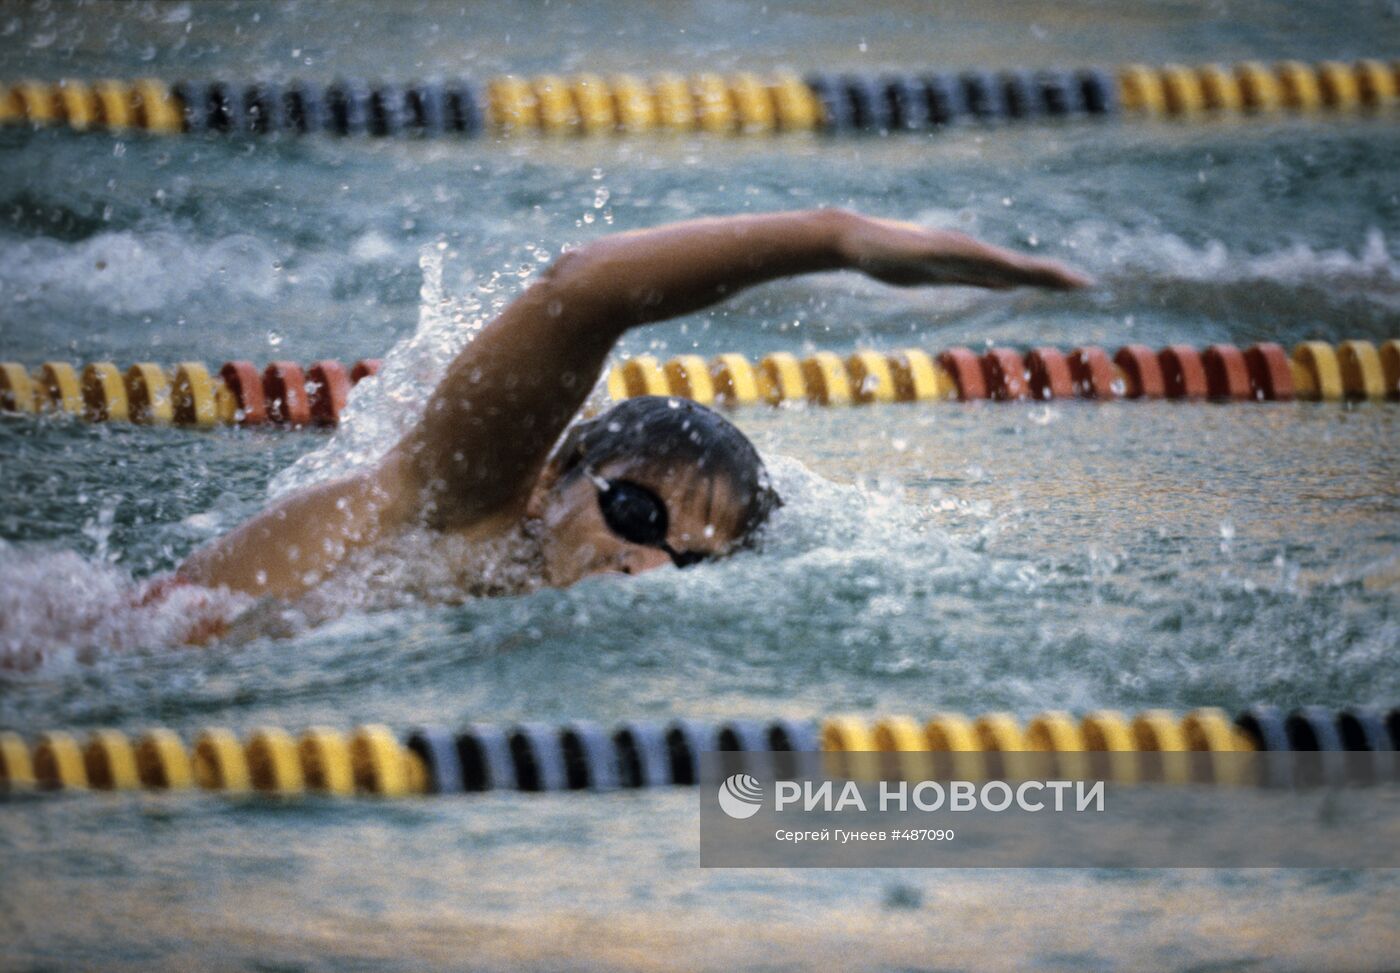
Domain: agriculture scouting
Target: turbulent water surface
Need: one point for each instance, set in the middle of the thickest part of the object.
(1062, 555)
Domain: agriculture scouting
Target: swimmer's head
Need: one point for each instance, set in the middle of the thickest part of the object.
(649, 460)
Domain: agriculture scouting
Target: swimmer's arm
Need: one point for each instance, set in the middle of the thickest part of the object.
(294, 544)
(630, 279)
(488, 427)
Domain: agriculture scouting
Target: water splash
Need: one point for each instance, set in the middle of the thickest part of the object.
(1113, 250)
(59, 607)
(98, 529)
(1155, 286)
(134, 272)
(381, 409)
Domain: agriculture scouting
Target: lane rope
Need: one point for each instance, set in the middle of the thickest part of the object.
(739, 103)
(1356, 744)
(285, 394)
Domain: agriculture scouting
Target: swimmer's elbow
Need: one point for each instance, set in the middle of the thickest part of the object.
(565, 270)
(583, 291)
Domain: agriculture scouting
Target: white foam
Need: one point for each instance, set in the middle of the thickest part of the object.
(131, 272)
(57, 606)
(1135, 268)
(1110, 250)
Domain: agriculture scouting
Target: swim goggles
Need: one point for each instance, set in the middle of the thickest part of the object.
(638, 516)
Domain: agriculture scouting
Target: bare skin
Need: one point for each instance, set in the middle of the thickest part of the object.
(476, 463)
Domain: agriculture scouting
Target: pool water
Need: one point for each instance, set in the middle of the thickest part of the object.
(1065, 555)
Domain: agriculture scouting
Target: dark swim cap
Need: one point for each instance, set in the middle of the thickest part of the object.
(666, 433)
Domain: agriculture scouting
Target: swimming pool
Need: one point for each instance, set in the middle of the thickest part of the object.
(1072, 555)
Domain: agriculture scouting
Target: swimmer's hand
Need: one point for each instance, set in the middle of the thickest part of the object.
(908, 255)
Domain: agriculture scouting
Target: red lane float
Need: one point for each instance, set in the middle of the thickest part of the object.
(328, 386)
(245, 383)
(364, 368)
(1049, 374)
(1270, 376)
(1227, 374)
(1142, 372)
(1004, 372)
(1183, 372)
(284, 389)
(1093, 374)
(286, 394)
(966, 369)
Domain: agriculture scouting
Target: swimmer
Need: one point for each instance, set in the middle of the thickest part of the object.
(651, 482)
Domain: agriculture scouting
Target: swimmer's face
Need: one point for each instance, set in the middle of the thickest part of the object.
(578, 542)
